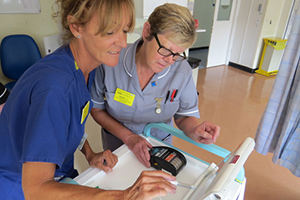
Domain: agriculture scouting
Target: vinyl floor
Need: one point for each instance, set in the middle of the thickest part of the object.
(236, 100)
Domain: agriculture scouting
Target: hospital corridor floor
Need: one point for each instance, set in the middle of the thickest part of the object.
(236, 100)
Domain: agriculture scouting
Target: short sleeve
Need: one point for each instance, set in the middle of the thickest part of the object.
(47, 128)
(98, 89)
(188, 102)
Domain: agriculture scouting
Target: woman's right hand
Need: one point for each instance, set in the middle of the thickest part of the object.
(151, 184)
(140, 147)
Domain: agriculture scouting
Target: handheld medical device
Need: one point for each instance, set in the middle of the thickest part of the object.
(166, 158)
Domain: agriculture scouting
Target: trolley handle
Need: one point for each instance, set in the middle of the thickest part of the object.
(219, 151)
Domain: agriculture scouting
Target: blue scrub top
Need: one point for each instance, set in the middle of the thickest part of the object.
(42, 120)
(177, 76)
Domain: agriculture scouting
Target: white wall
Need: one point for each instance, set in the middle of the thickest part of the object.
(284, 17)
(272, 24)
(145, 7)
(94, 138)
(275, 19)
(36, 25)
(247, 27)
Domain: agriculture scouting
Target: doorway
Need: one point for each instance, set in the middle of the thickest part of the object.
(204, 12)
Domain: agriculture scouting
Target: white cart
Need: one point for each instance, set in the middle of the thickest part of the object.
(211, 181)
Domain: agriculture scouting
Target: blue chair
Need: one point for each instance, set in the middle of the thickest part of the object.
(17, 53)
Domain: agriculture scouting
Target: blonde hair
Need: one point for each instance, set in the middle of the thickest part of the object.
(176, 22)
(110, 13)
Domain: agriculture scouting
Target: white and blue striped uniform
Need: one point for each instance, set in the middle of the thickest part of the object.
(177, 76)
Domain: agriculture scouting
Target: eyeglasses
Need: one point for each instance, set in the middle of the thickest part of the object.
(167, 52)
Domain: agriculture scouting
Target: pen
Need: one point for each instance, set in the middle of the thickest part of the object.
(167, 137)
(173, 95)
(177, 183)
(167, 96)
(104, 162)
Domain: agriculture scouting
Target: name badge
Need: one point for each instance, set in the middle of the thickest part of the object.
(85, 111)
(124, 97)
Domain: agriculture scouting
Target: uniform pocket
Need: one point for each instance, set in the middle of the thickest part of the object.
(169, 109)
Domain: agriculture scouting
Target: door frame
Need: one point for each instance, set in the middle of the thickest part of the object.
(218, 52)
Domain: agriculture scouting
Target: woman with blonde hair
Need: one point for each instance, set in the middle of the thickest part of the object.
(151, 83)
(42, 123)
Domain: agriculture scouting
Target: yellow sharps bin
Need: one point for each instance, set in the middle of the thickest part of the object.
(271, 56)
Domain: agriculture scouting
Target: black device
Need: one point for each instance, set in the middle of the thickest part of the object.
(169, 159)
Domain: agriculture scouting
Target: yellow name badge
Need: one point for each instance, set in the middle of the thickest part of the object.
(124, 97)
(85, 111)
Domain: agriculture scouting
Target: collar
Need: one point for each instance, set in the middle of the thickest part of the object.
(129, 61)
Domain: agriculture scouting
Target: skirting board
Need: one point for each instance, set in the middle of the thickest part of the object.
(241, 67)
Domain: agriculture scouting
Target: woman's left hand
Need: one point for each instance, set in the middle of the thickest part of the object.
(205, 133)
(105, 161)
